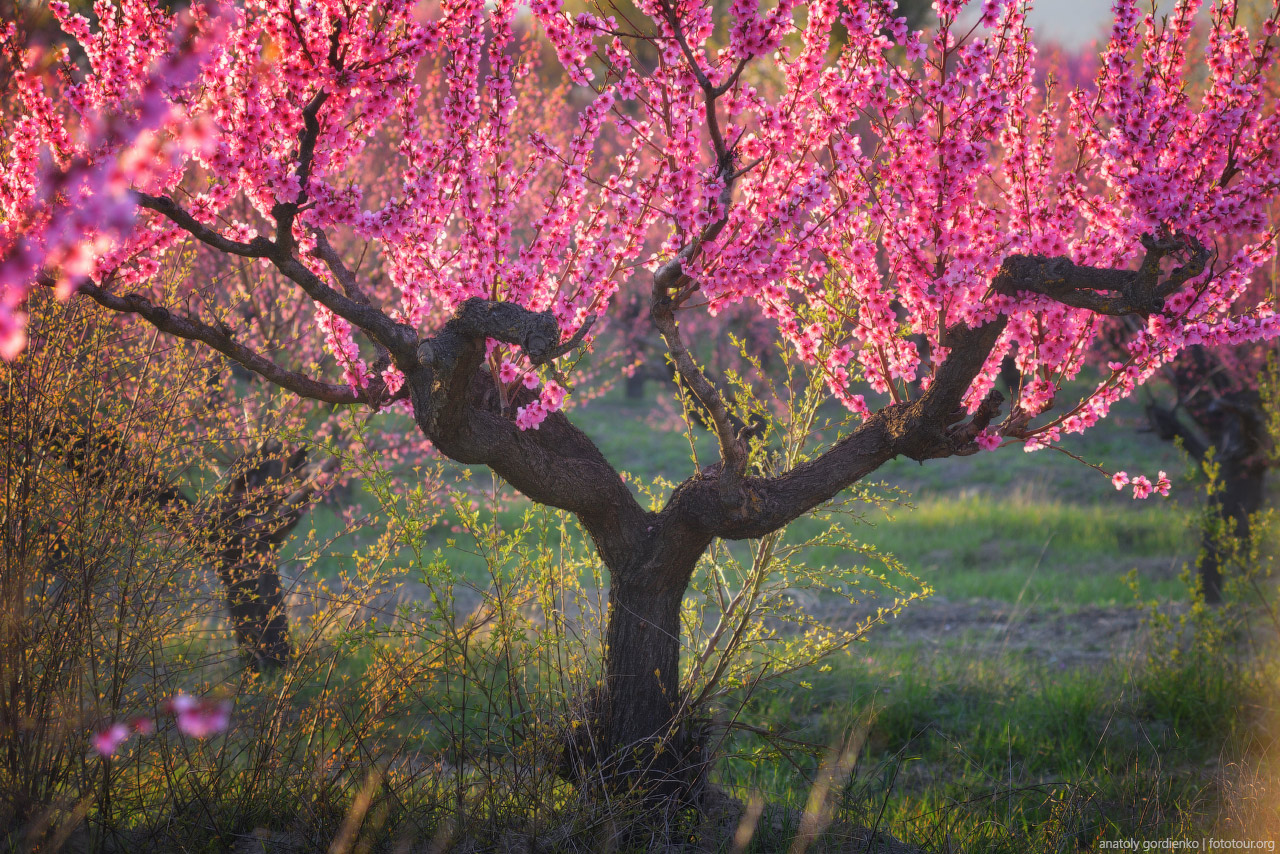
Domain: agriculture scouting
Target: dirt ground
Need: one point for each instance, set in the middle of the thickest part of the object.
(1079, 636)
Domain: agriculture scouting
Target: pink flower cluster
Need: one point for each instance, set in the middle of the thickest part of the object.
(550, 400)
(66, 174)
(880, 176)
(1142, 486)
(195, 718)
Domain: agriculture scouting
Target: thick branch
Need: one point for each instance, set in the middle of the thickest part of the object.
(398, 338)
(350, 284)
(932, 426)
(456, 406)
(346, 278)
(1102, 290)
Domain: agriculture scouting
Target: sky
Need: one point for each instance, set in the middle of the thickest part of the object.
(1071, 23)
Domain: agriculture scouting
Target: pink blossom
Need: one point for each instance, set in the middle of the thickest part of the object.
(205, 719)
(199, 718)
(179, 704)
(552, 396)
(142, 725)
(107, 741)
(1162, 483)
(531, 416)
(988, 440)
(1141, 487)
(393, 379)
(885, 196)
(1119, 479)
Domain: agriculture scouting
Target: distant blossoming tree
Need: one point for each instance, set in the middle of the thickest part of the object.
(1212, 399)
(894, 201)
(1215, 404)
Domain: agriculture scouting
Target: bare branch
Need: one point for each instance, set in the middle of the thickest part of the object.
(222, 339)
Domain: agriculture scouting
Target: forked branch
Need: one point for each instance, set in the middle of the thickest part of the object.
(1117, 293)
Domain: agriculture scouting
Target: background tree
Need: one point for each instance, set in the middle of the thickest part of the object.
(240, 529)
(1217, 412)
(740, 177)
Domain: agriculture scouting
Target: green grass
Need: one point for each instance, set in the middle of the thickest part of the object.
(975, 737)
(1031, 548)
(1007, 754)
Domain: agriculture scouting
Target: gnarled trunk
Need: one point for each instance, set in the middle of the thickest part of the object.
(636, 731)
(1239, 497)
(256, 512)
(636, 741)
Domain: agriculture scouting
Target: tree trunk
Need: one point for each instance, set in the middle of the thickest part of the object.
(1237, 428)
(1240, 496)
(1010, 376)
(642, 668)
(637, 739)
(635, 383)
(256, 512)
(255, 604)
(1234, 428)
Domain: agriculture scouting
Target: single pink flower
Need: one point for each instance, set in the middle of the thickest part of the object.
(142, 725)
(1162, 483)
(987, 440)
(107, 741)
(205, 718)
(179, 703)
(1141, 487)
(1119, 479)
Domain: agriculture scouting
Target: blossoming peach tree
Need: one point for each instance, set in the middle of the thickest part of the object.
(898, 203)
